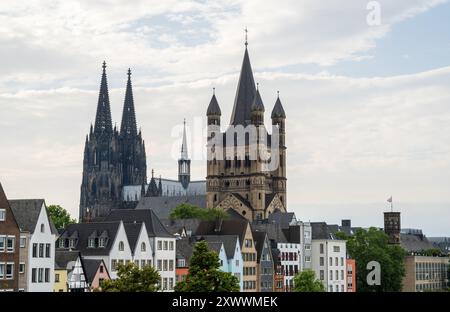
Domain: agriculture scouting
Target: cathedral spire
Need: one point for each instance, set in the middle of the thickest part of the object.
(128, 126)
(184, 150)
(245, 93)
(103, 123)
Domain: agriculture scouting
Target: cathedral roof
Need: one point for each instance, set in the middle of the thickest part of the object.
(278, 110)
(128, 126)
(245, 94)
(103, 122)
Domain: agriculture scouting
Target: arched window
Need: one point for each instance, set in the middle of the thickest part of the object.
(42, 228)
(121, 246)
(143, 247)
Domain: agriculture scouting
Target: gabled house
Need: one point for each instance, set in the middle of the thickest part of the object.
(184, 249)
(247, 246)
(95, 272)
(72, 263)
(9, 246)
(105, 241)
(37, 245)
(139, 242)
(232, 248)
(161, 241)
(265, 262)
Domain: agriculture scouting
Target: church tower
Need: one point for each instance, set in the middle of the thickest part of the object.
(241, 179)
(102, 169)
(134, 164)
(184, 163)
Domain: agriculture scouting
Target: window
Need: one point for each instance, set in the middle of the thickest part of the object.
(342, 274)
(171, 245)
(72, 243)
(342, 261)
(33, 275)
(121, 246)
(2, 243)
(9, 270)
(159, 245)
(142, 263)
(307, 247)
(322, 275)
(165, 245)
(40, 275)
(342, 288)
(143, 247)
(113, 265)
(181, 263)
(56, 278)
(159, 265)
(42, 228)
(336, 248)
(2, 214)
(322, 261)
(47, 275)
(331, 288)
(331, 261)
(35, 246)
(102, 242)
(165, 283)
(336, 261)
(170, 283)
(165, 265)
(337, 275)
(101, 269)
(331, 275)
(337, 288)
(170, 265)
(47, 250)
(10, 243)
(23, 242)
(307, 258)
(41, 250)
(321, 248)
(91, 243)
(21, 267)
(2, 270)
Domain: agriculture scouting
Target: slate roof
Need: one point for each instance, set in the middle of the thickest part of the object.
(5, 204)
(213, 107)
(163, 205)
(84, 230)
(224, 227)
(26, 212)
(90, 267)
(259, 238)
(273, 230)
(245, 94)
(281, 218)
(133, 230)
(154, 226)
(176, 226)
(228, 241)
(269, 198)
(278, 110)
(216, 246)
(257, 104)
(242, 199)
(415, 243)
(63, 257)
(233, 214)
(184, 248)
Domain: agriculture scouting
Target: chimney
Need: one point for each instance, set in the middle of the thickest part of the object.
(346, 223)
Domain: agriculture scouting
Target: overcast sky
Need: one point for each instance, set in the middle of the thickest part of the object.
(368, 106)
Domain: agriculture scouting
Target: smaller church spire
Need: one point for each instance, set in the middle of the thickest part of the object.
(278, 110)
(184, 150)
(103, 122)
(128, 126)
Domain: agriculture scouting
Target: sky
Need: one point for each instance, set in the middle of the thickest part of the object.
(367, 99)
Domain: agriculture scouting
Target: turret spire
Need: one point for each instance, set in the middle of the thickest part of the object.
(103, 123)
(184, 150)
(128, 126)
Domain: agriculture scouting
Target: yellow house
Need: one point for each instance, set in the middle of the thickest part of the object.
(60, 280)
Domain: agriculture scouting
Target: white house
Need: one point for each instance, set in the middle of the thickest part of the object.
(38, 266)
(329, 258)
(161, 241)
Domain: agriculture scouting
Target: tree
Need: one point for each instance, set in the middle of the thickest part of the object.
(204, 274)
(372, 245)
(187, 211)
(306, 281)
(132, 279)
(60, 216)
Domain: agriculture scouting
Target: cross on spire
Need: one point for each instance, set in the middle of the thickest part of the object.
(246, 36)
(129, 73)
(104, 65)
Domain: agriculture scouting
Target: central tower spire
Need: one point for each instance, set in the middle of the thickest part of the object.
(245, 92)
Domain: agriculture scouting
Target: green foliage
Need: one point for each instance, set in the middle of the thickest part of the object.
(187, 211)
(306, 281)
(132, 279)
(433, 252)
(372, 245)
(204, 274)
(60, 216)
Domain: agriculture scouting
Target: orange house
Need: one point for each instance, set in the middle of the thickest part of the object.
(351, 275)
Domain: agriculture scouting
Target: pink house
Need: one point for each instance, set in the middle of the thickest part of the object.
(95, 272)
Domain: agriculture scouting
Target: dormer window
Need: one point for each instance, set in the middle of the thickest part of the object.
(72, 243)
(61, 243)
(91, 243)
(102, 242)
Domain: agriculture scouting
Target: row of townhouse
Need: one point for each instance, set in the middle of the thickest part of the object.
(125, 236)
(27, 245)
